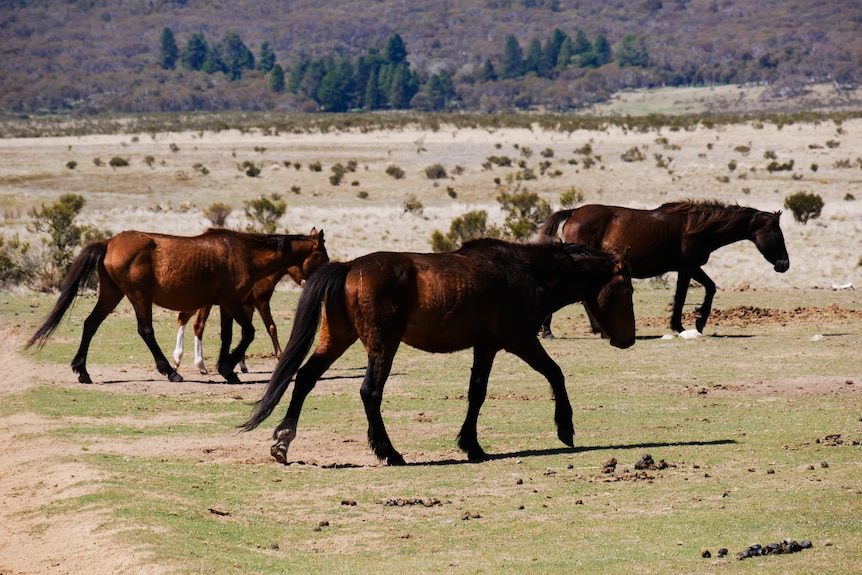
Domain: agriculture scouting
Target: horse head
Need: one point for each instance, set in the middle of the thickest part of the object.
(313, 253)
(766, 235)
(612, 306)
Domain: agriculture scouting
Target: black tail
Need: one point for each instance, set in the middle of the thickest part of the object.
(549, 228)
(327, 283)
(81, 269)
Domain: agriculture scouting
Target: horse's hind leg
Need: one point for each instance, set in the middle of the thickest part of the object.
(200, 324)
(144, 313)
(706, 307)
(546, 328)
(483, 359)
(249, 310)
(182, 319)
(324, 356)
(109, 296)
(379, 366)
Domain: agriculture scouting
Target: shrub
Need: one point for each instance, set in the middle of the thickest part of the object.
(633, 154)
(217, 214)
(71, 164)
(435, 172)
(264, 213)
(463, 228)
(412, 205)
(525, 211)
(804, 206)
(774, 166)
(315, 166)
(250, 169)
(118, 162)
(149, 161)
(394, 171)
(571, 198)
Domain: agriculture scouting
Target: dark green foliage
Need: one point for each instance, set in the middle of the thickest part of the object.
(195, 52)
(435, 172)
(264, 212)
(236, 56)
(276, 79)
(168, 50)
(525, 212)
(804, 206)
(512, 64)
(266, 59)
(467, 227)
(118, 162)
(632, 51)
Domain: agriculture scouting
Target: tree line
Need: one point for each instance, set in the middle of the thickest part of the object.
(384, 79)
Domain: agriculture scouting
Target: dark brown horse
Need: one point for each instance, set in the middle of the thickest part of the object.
(677, 236)
(258, 299)
(218, 267)
(489, 295)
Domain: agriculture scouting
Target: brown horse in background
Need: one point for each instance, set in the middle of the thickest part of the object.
(258, 299)
(677, 236)
(489, 295)
(218, 267)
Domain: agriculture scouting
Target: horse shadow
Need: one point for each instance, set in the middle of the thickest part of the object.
(582, 449)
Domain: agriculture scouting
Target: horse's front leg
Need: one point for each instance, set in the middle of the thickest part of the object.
(483, 359)
(228, 359)
(546, 332)
(532, 352)
(682, 282)
(706, 307)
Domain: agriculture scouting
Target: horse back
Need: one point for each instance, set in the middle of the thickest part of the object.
(434, 302)
(654, 239)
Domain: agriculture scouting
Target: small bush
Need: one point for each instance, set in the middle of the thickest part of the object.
(315, 166)
(362, 195)
(250, 169)
(149, 161)
(412, 205)
(804, 206)
(395, 171)
(71, 164)
(435, 172)
(217, 214)
(774, 166)
(264, 213)
(571, 198)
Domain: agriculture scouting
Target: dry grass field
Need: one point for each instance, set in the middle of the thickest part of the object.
(173, 177)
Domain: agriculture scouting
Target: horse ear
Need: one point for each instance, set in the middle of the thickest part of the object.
(313, 231)
(624, 260)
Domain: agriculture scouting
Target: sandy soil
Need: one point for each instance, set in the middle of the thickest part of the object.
(170, 196)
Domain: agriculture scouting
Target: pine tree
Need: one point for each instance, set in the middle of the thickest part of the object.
(394, 51)
(195, 52)
(266, 60)
(512, 64)
(373, 96)
(168, 50)
(602, 49)
(533, 61)
(487, 73)
(276, 79)
(237, 56)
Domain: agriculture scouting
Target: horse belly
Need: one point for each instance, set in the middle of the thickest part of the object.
(438, 333)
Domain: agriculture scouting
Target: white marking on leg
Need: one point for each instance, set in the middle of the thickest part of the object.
(178, 350)
(199, 356)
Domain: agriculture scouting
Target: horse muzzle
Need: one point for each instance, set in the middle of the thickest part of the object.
(782, 266)
(623, 341)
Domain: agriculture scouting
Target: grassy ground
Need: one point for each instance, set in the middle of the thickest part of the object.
(744, 418)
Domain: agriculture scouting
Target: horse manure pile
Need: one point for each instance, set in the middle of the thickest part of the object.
(404, 502)
(757, 550)
(646, 463)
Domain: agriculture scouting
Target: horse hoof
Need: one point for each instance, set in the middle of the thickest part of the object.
(230, 377)
(84, 378)
(548, 335)
(244, 369)
(279, 453)
(204, 371)
(175, 377)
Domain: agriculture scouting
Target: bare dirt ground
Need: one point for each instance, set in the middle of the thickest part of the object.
(170, 196)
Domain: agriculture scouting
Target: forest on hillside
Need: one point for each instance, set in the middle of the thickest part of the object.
(104, 56)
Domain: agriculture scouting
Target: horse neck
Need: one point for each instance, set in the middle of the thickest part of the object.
(736, 227)
(269, 258)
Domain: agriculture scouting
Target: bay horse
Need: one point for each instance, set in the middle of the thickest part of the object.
(490, 295)
(218, 267)
(676, 236)
(258, 299)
